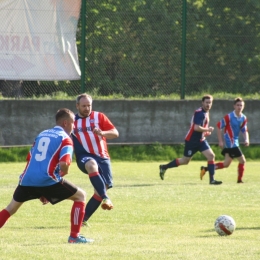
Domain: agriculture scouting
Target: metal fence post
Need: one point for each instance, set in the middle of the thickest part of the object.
(83, 45)
(183, 48)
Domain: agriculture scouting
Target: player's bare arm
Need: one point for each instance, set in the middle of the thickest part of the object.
(199, 128)
(109, 134)
(246, 138)
(64, 168)
(220, 139)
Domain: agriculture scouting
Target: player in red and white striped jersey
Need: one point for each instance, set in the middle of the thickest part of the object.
(91, 130)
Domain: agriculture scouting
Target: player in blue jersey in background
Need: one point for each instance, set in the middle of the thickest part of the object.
(195, 141)
(232, 124)
(39, 180)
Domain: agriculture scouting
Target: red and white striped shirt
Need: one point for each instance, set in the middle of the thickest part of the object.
(83, 131)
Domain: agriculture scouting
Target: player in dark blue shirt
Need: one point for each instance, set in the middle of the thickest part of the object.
(195, 141)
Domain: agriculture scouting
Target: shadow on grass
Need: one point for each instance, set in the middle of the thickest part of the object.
(39, 227)
(148, 185)
(240, 228)
(248, 228)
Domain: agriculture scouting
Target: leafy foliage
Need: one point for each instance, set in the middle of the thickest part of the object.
(154, 152)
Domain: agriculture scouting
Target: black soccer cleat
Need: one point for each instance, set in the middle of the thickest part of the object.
(214, 182)
(162, 172)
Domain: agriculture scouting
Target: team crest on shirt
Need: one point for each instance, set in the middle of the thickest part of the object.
(92, 121)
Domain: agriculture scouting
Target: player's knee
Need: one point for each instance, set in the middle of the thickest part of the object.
(243, 161)
(185, 161)
(211, 157)
(91, 166)
(80, 195)
(227, 164)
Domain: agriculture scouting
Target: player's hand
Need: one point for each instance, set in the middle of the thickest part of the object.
(246, 143)
(43, 200)
(210, 129)
(97, 131)
(221, 145)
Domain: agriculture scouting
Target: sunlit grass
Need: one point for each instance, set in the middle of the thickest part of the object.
(152, 219)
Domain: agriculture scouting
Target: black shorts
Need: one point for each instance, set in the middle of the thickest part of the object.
(54, 193)
(232, 152)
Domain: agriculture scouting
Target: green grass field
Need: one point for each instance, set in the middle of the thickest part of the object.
(152, 219)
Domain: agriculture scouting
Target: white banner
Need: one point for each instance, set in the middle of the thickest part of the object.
(38, 39)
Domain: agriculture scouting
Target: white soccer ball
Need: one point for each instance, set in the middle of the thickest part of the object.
(225, 225)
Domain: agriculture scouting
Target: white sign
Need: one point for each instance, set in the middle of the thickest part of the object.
(38, 39)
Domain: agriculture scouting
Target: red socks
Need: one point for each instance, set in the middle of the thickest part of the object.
(4, 216)
(76, 217)
(219, 165)
(240, 169)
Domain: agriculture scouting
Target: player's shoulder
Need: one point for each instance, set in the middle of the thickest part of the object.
(229, 115)
(100, 115)
(244, 116)
(59, 131)
(198, 110)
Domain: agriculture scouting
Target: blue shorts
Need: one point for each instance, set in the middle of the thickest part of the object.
(191, 148)
(104, 167)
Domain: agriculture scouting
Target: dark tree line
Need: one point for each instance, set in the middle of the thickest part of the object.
(134, 47)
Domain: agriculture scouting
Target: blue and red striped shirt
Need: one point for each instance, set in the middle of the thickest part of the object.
(232, 125)
(50, 147)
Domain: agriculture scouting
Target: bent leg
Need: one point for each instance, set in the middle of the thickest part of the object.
(241, 168)
(77, 212)
(95, 178)
(9, 211)
(92, 206)
(209, 154)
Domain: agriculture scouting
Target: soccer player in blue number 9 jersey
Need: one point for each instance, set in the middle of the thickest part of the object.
(195, 141)
(231, 125)
(52, 148)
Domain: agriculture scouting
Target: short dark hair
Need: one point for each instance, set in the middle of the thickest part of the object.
(84, 95)
(238, 99)
(207, 97)
(63, 113)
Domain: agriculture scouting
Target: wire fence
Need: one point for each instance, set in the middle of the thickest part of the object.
(160, 49)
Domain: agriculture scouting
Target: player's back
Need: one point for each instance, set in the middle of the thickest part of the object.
(45, 155)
